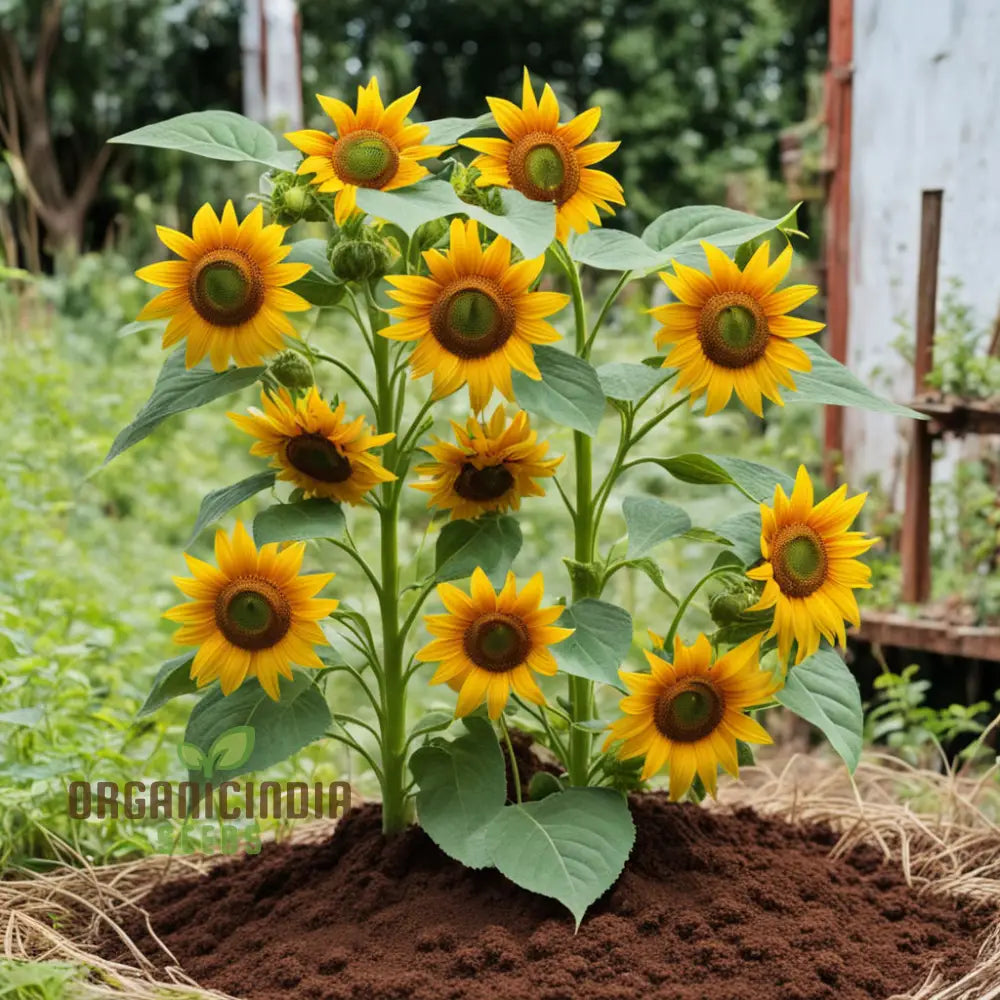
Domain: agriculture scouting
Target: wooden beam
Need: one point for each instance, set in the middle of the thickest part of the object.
(838, 225)
(916, 535)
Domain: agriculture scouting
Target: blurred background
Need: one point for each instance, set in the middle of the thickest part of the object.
(852, 109)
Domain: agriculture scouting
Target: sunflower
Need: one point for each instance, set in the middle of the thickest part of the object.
(373, 148)
(225, 294)
(254, 616)
(473, 315)
(547, 161)
(730, 329)
(493, 465)
(489, 643)
(810, 571)
(689, 714)
(314, 448)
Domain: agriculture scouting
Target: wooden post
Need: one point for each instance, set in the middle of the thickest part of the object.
(916, 538)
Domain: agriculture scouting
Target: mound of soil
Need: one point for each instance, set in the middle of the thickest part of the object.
(710, 906)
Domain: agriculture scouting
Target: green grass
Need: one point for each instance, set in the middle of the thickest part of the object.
(86, 553)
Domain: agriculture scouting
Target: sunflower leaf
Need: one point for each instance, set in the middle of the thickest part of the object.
(529, 225)
(279, 728)
(570, 846)
(172, 680)
(179, 388)
(462, 788)
(599, 644)
(299, 522)
(447, 131)
(743, 532)
(651, 521)
(823, 691)
(706, 470)
(217, 135)
(569, 392)
(219, 502)
(319, 287)
(832, 383)
(490, 543)
(613, 250)
(630, 382)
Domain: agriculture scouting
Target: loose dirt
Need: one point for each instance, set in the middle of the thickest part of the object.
(711, 906)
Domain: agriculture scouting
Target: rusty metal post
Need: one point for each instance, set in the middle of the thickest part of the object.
(916, 537)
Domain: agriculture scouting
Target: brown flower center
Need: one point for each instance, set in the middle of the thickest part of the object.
(689, 710)
(318, 457)
(497, 642)
(489, 483)
(798, 560)
(544, 168)
(226, 287)
(252, 613)
(365, 158)
(733, 330)
(473, 316)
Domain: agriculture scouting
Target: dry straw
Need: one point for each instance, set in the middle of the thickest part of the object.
(941, 829)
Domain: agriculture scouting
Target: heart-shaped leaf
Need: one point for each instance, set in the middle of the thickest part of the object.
(599, 644)
(298, 522)
(219, 502)
(569, 392)
(490, 543)
(172, 680)
(651, 521)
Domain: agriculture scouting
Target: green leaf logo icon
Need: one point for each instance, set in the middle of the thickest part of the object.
(230, 750)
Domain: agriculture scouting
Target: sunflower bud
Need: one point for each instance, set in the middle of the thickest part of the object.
(729, 606)
(359, 253)
(428, 234)
(293, 199)
(292, 370)
(463, 180)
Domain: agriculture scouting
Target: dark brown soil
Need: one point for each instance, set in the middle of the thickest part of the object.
(710, 907)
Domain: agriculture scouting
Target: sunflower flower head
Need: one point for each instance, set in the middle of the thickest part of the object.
(547, 161)
(491, 467)
(226, 294)
(688, 715)
(730, 330)
(314, 447)
(810, 570)
(372, 147)
(473, 317)
(490, 644)
(253, 616)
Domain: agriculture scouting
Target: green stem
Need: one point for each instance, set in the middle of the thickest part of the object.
(668, 642)
(581, 690)
(513, 760)
(395, 813)
(608, 302)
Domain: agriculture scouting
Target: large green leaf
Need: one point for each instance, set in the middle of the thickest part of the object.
(743, 532)
(447, 131)
(218, 135)
(319, 286)
(529, 225)
(830, 382)
(491, 543)
(823, 691)
(172, 680)
(600, 643)
(177, 389)
(298, 522)
(281, 728)
(614, 250)
(651, 521)
(677, 234)
(571, 846)
(758, 480)
(219, 502)
(462, 787)
(569, 392)
(630, 382)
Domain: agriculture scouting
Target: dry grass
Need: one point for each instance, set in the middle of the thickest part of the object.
(941, 829)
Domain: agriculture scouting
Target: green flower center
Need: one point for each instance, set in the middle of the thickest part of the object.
(482, 485)
(497, 642)
(472, 317)
(226, 287)
(252, 613)
(544, 166)
(318, 457)
(689, 710)
(798, 560)
(733, 330)
(365, 158)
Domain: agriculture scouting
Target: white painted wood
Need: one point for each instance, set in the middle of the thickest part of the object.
(251, 46)
(926, 107)
(272, 73)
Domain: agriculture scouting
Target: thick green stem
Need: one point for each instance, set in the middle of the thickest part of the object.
(395, 811)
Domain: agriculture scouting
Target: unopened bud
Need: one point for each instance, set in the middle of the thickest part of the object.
(292, 370)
